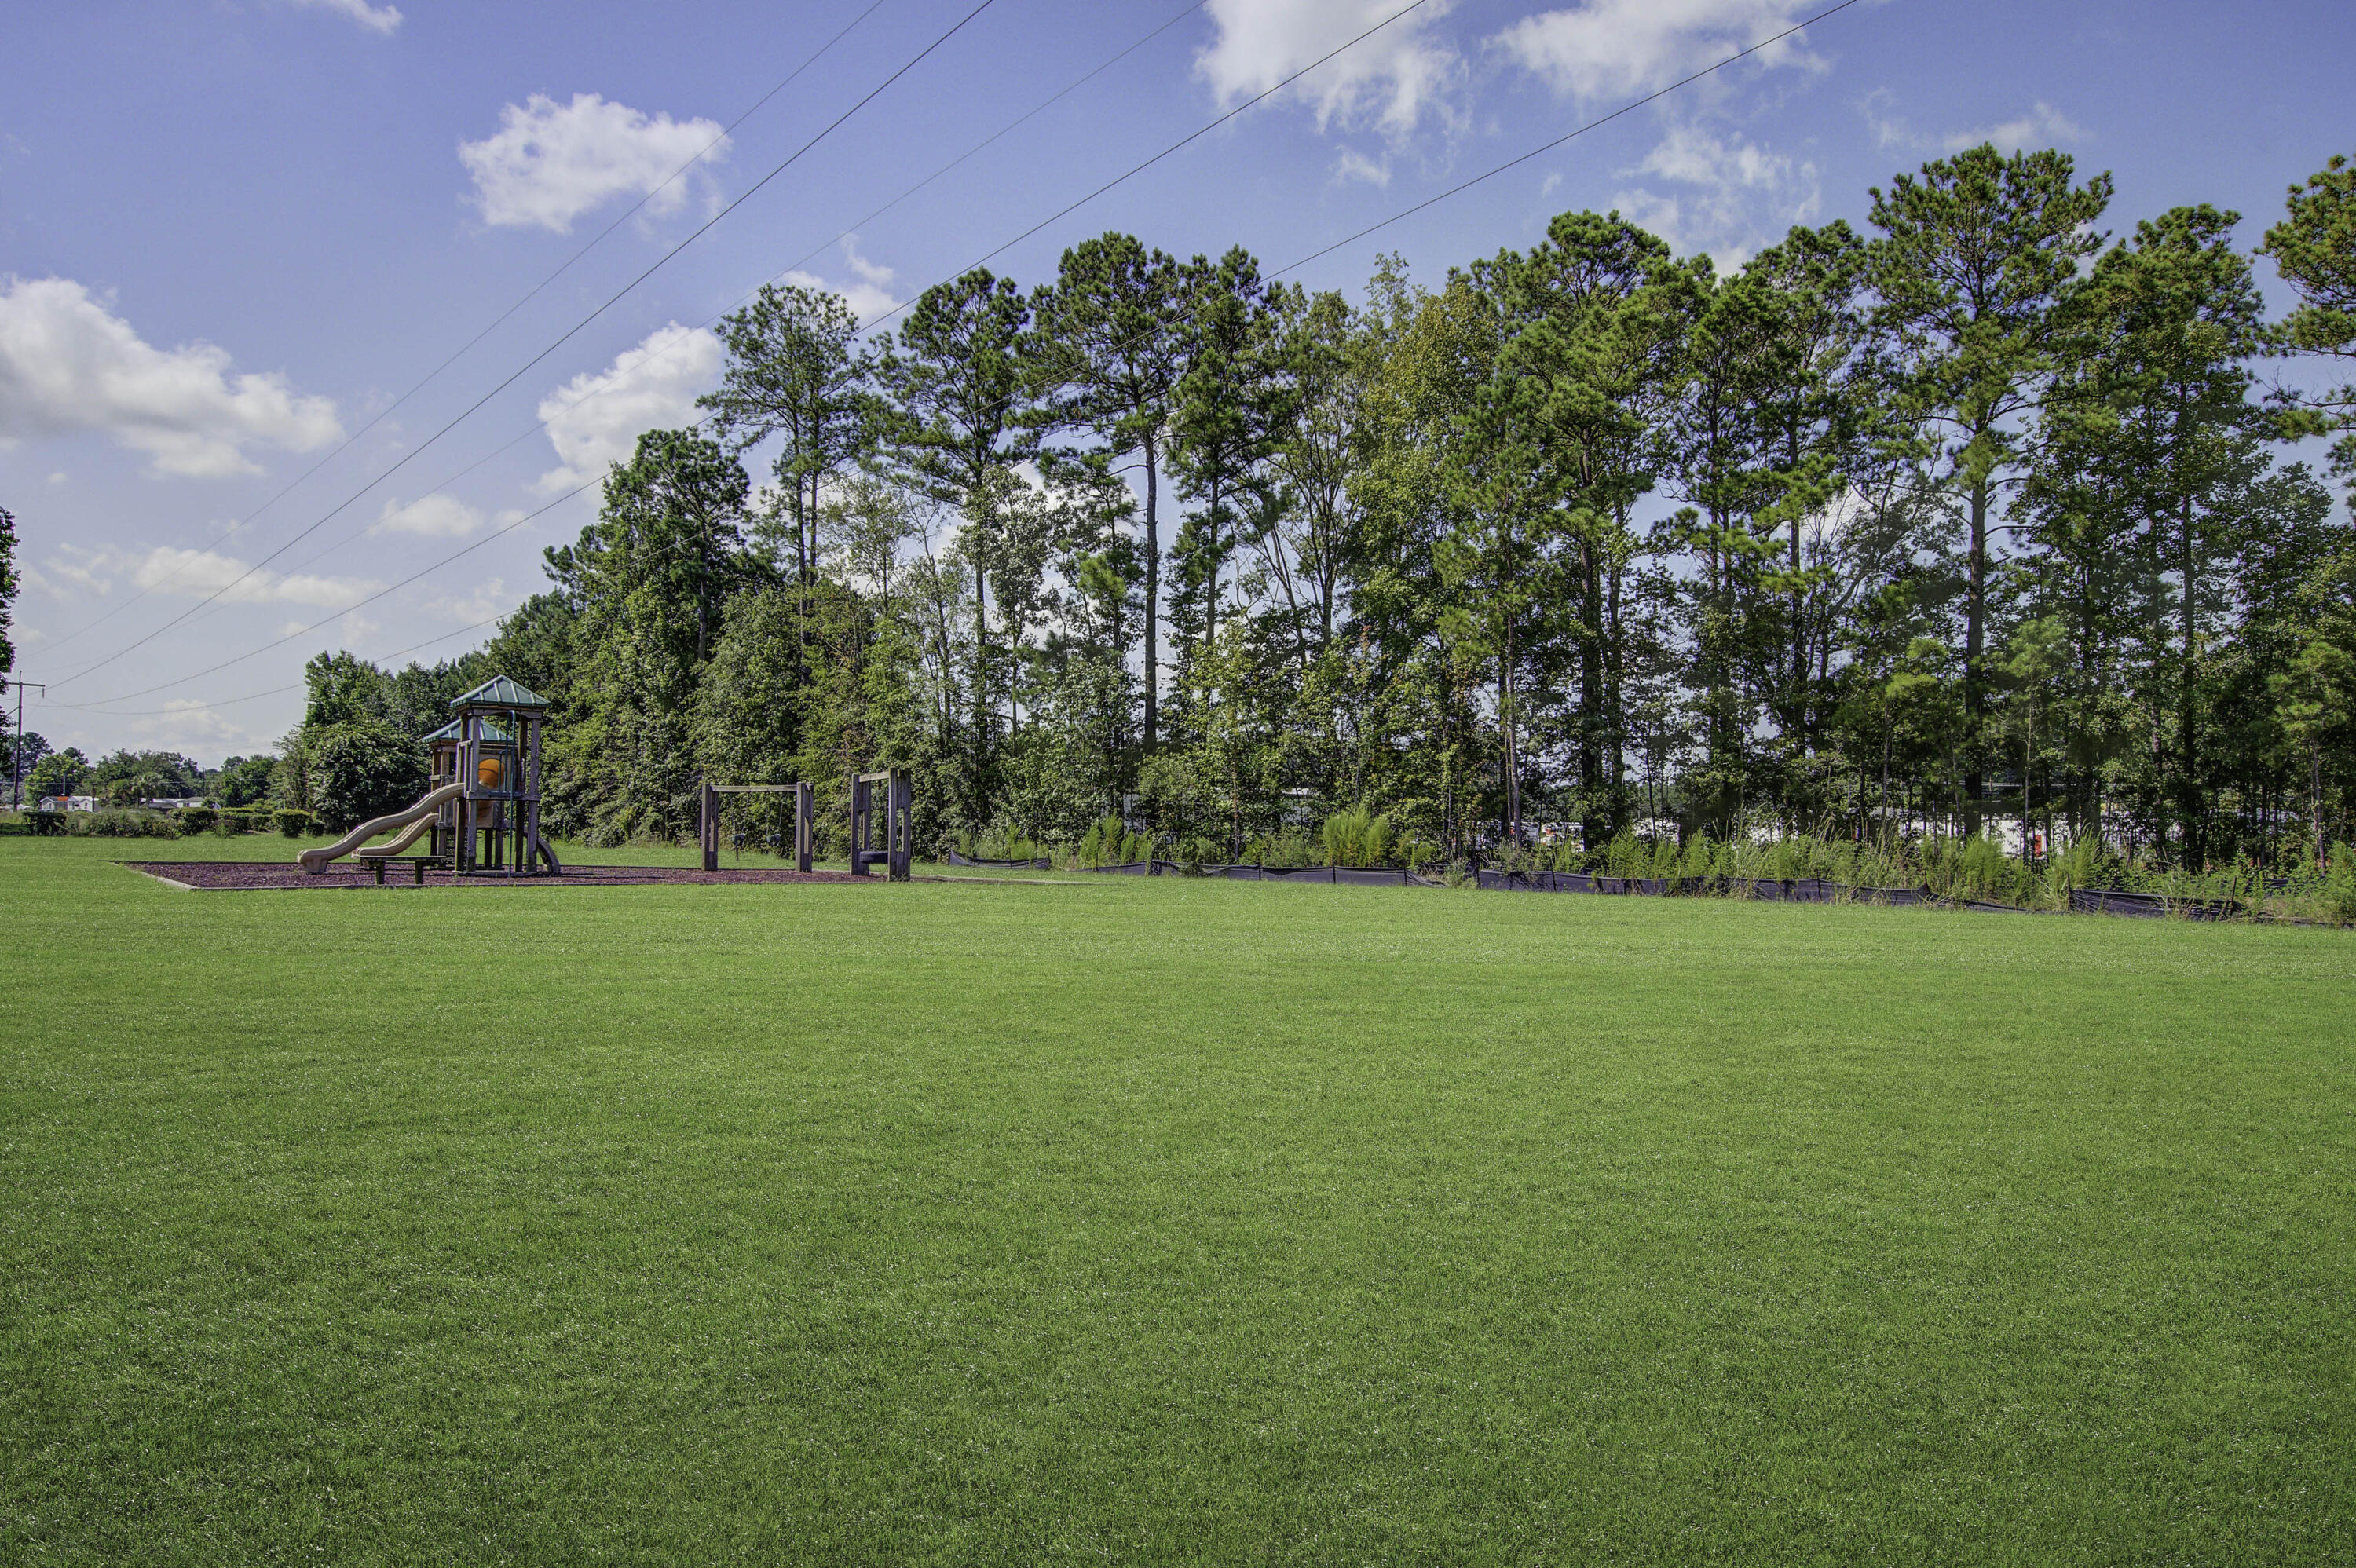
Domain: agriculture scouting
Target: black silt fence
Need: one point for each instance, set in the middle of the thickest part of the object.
(1815, 890)
(952, 858)
(2149, 906)
(1772, 889)
(1350, 876)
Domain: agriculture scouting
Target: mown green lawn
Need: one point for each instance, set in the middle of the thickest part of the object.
(1161, 1221)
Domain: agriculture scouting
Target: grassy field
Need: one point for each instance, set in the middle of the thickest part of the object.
(1162, 1222)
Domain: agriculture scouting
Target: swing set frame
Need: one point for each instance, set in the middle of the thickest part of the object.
(892, 847)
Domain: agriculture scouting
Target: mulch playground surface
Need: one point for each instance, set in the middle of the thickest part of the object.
(210, 876)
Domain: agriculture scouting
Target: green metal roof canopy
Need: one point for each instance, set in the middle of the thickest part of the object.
(493, 730)
(499, 692)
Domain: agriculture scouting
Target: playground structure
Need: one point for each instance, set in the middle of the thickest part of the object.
(896, 839)
(899, 834)
(481, 814)
(805, 834)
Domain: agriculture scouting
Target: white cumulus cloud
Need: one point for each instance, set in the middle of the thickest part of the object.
(2042, 126)
(481, 603)
(380, 19)
(596, 419)
(1353, 165)
(432, 517)
(1737, 194)
(191, 727)
(197, 573)
(869, 297)
(1392, 81)
(1616, 48)
(549, 163)
(68, 364)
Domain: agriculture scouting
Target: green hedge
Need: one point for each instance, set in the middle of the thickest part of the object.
(193, 819)
(293, 824)
(120, 824)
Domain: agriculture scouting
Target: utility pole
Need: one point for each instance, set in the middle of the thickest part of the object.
(17, 752)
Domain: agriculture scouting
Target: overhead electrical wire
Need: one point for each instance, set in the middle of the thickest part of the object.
(543, 425)
(1569, 135)
(274, 691)
(495, 322)
(568, 334)
(1135, 169)
(600, 390)
(652, 556)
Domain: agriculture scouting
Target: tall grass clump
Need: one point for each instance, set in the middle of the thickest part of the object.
(1289, 845)
(999, 842)
(1112, 842)
(2338, 902)
(1353, 837)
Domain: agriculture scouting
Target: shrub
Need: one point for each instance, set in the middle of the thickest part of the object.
(1109, 842)
(1664, 860)
(1983, 870)
(1000, 842)
(1354, 838)
(1700, 859)
(1291, 846)
(2086, 863)
(1625, 857)
(120, 825)
(44, 823)
(2340, 887)
(1195, 849)
(236, 820)
(194, 819)
(293, 824)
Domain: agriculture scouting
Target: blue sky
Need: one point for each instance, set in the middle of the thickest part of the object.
(233, 233)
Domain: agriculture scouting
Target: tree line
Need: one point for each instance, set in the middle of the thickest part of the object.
(1983, 514)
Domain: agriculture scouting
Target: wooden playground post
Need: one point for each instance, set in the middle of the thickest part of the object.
(862, 821)
(711, 827)
(900, 835)
(805, 829)
(530, 807)
(470, 750)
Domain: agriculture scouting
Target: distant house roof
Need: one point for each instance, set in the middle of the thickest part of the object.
(500, 692)
(492, 731)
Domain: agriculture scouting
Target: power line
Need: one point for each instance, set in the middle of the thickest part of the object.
(596, 392)
(495, 322)
(1569, 135)
(1192, 137)
(570, 332)
(297, 686)
(257, 696)
(1135, 169)
(524, 434)
(305, 630)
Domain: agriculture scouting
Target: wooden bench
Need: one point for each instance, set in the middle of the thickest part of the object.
(416, 864)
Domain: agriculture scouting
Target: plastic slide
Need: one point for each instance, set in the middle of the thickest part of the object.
(315, 861)
(417, 829)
